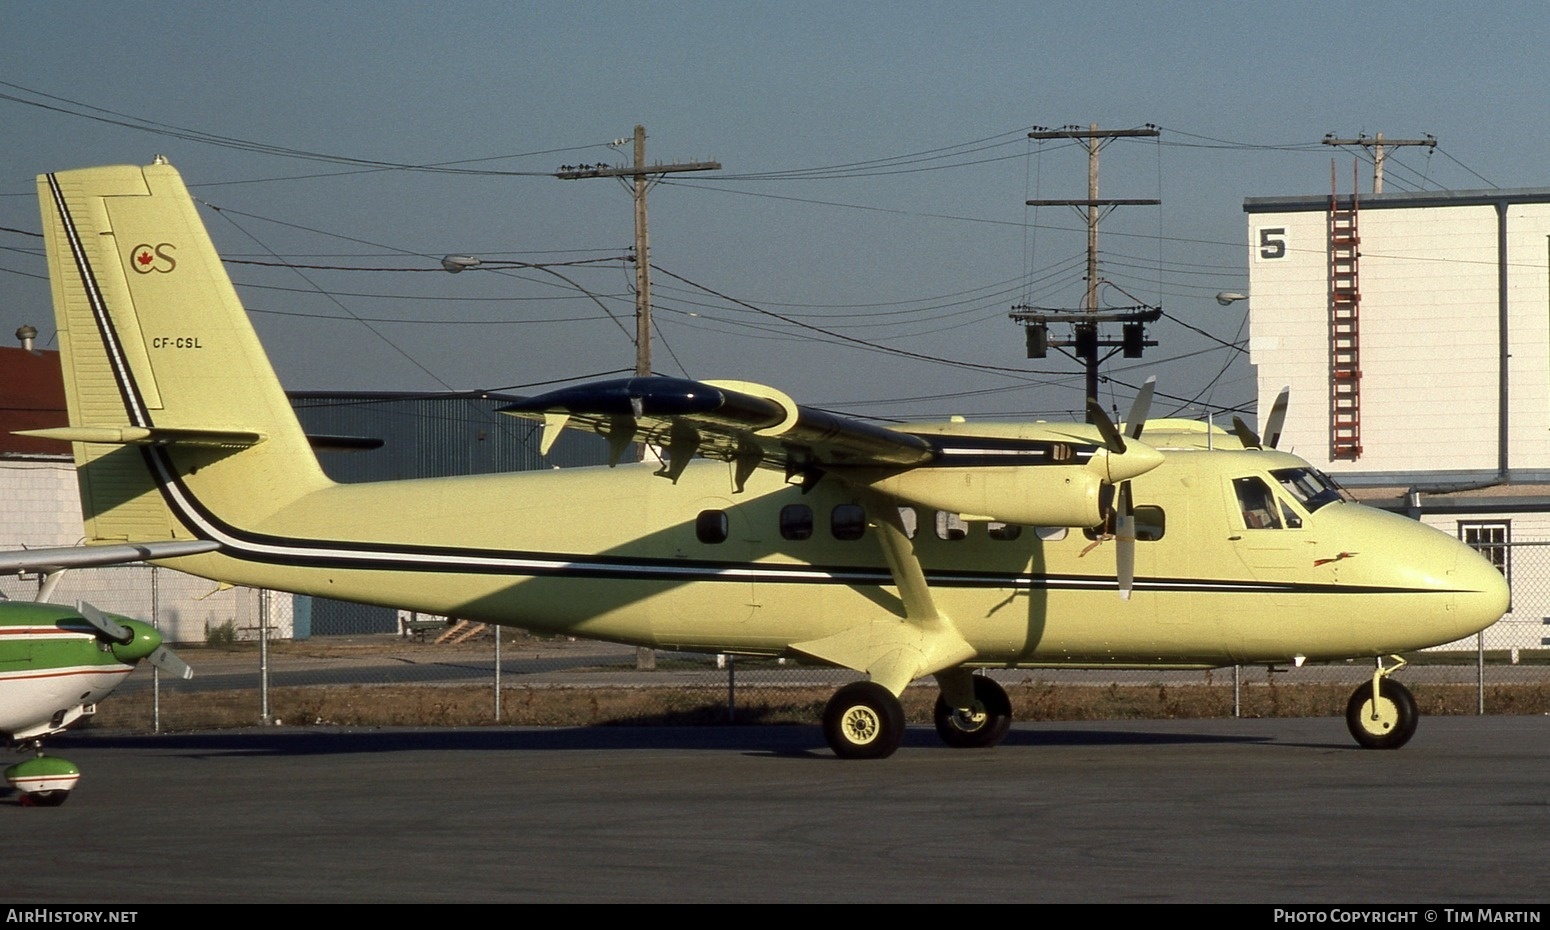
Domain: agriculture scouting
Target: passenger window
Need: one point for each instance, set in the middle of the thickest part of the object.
(1257, 503)
(1006, 532)
(848, 521)
(950, 526)
(1151, 523)
(796, 521)
(910, 520)
(712, 526)
(1051, 533)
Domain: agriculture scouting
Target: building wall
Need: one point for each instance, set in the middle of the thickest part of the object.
(40, 505)
(1431, 279)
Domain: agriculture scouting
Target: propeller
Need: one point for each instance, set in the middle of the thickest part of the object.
(1140, 407)
(132, 641)
(1125, 543)
(1273, 424)
(110, 629)
(168, 661)
(1123, 504)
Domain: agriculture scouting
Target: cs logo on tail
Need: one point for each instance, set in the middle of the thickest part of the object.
(153, 259)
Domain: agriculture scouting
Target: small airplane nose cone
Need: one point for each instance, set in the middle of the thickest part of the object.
(1484, 594)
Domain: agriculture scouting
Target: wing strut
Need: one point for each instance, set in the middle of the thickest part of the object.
(895, 652)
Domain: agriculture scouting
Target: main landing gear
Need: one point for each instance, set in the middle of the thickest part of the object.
(865, 721)
(1382, 714)
(982, 726)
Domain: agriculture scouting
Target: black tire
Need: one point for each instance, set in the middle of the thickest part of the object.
(863, 721)
(980, 730)
(1394, 721)
(44, 798)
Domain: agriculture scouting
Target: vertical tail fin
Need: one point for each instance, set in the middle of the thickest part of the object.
(176, 415)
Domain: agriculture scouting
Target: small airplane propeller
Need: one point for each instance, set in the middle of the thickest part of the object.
(1273, 425)
(1125, 542)
(1123, 505)
(110, 629)
(1140, 407)
(169, 662)
(149, 647)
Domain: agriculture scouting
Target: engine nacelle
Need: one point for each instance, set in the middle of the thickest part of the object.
(1046, 495)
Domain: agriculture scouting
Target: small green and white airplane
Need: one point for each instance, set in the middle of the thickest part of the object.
(770, 528)
(57, 662)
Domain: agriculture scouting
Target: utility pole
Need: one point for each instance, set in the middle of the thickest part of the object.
(1378, 144)
(1087, 319)
(642, 174)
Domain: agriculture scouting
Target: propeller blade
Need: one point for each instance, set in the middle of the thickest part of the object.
(1139, 409)
(1273, 424)
(1277, 418)
(1112, 437)
(1245, 434)
(110, 629)
(168, 661)
(1125, 542)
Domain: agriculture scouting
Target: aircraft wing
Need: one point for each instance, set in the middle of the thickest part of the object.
(57, 559)
(749, 424)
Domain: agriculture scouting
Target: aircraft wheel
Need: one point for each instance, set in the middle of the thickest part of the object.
(44, 798)
(986, 726)
(1389, 723)
(863, 721)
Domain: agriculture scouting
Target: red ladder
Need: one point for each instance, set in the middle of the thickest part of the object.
(1345, 356)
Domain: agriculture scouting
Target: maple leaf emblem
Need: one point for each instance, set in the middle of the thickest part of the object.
(144, 258)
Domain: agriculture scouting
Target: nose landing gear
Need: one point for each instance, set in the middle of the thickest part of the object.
(44, 781)
(1382, 715)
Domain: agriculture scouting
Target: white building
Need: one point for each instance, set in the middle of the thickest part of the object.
(1414, 333)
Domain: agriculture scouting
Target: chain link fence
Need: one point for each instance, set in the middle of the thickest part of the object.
(322, 663)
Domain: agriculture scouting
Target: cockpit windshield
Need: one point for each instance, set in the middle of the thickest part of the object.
(1312, 488)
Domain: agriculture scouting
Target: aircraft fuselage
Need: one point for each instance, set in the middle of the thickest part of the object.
(622, 554)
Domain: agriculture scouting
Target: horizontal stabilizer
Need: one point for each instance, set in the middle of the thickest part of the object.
(149, 436)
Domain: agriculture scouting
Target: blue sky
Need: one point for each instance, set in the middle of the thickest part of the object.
(881, 288)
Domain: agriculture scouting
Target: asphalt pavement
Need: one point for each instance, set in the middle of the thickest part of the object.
(1266, 811)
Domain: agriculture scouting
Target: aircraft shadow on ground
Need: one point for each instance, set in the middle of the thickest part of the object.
(792, 740)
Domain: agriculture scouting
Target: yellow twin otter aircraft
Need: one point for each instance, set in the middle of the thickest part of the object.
(780, 530)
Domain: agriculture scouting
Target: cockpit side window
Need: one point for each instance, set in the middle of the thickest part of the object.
(1258, 504)
(1309, 486)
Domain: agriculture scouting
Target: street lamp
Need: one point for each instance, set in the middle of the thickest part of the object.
(452, 264)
